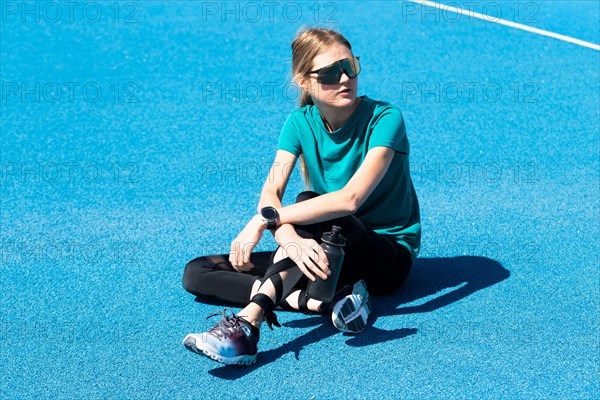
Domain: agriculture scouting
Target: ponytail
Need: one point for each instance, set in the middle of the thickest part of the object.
(305, 100)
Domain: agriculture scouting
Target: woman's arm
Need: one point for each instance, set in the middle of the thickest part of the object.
(346, 200)
(306, 253)
(271, 195)
(275, 184)
(274, 188)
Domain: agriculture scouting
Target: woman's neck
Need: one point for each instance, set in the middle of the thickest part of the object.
(334, 118)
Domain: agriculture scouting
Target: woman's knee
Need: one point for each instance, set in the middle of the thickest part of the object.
(307, 195)
(379, 288)
(192, 274)
(389, 282)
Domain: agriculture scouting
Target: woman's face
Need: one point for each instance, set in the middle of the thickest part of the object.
(342, 94)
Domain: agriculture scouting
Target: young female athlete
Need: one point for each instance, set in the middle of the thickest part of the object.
(353, 153)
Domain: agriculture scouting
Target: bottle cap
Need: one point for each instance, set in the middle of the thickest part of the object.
(334, 237)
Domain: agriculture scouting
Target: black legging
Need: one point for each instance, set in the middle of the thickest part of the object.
(378, 259)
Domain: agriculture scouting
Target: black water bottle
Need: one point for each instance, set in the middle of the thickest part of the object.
(332, 243)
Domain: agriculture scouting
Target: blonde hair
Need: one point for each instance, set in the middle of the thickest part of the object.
(309, 43)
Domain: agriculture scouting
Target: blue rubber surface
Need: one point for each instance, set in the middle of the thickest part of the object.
(136, 142)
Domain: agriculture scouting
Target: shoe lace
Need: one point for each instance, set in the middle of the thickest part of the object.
(229, 325)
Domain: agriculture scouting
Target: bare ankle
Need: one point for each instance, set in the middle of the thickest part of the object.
(253, 314)
(314, 305)
(257, 322)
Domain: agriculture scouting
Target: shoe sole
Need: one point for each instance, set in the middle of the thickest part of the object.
(352, 314)
(190, 343)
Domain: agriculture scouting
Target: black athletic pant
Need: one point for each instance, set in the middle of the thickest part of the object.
(379, 260)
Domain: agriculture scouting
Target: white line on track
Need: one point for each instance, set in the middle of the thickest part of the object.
(501, 21)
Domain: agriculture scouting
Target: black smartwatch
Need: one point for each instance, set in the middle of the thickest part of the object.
(270, 216)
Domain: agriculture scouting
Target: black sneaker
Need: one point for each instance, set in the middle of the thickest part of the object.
(233, 340)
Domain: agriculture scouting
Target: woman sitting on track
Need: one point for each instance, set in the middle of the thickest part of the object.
(353, 152)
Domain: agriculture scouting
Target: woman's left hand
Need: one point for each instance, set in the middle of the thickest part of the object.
(244, 243)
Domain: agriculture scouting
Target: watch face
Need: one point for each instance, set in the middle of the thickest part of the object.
(269, 213)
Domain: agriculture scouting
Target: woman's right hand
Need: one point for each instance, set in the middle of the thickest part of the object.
(308, 256)
(244, 243)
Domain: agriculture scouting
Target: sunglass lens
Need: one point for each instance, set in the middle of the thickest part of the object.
(351, 67)
(330, 75)
(354, 69)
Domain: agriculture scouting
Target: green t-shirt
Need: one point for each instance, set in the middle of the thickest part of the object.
(332, 159)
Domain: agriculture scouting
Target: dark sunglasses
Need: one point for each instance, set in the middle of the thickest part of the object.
(332, 74)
